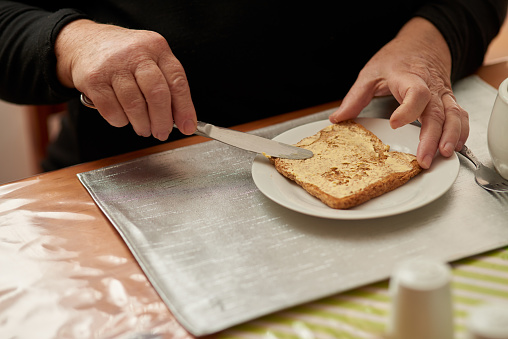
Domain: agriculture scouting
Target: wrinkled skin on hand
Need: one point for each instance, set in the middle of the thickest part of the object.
(131, 76)
(415, 68)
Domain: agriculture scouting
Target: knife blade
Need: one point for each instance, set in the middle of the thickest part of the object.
(251, 142)
(246, 141)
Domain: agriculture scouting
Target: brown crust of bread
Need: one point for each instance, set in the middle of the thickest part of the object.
(389, 183)
(385, 184)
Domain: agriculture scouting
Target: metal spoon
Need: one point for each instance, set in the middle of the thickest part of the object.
(484, 176)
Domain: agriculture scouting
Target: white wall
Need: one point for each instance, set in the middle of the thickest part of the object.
(16, 151)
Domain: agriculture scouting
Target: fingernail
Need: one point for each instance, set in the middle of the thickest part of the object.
(162, 136)
(459, 146)
(189, 127)
(427, 160)
(448, 149)
(145, 134)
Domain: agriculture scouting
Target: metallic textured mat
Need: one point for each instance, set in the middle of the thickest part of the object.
(220, 253)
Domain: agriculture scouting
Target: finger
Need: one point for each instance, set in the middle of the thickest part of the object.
(155, 89)
(133, 103)
(464, 133)
(107, 105)
(432, 121)
(452, 128)
(358, 97)
(182, 107)
(464, 128)
(413, 95)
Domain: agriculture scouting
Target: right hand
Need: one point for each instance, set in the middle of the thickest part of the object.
(131, 76)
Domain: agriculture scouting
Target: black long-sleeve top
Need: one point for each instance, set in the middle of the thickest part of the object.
(244, 60)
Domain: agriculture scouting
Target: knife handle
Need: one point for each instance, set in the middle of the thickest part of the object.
(200, 130)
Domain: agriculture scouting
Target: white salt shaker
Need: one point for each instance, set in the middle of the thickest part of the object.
(497, 132)
(488, 322)
(421, 305)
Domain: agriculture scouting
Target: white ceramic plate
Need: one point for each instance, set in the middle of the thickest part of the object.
(419, 191)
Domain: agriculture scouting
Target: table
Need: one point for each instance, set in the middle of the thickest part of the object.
(65, 271)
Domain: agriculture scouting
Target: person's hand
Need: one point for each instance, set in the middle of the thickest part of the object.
(415, 68)
(131, 76)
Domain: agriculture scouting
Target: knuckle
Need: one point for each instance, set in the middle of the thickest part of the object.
(142, 51)
(148, 47)
(158, 95)
(463, 113)
(455, 111)
(464, 116)
(430, 139)
(94, 78)
(422, 91)
(144, 36)
(134, 106)
(436, 112)
(157, 40)
(179, 84)
(146, 39)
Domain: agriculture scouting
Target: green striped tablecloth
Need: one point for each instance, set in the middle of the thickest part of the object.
(363, 312)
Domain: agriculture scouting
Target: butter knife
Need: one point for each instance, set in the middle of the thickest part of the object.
(246, 141)
(252, 142)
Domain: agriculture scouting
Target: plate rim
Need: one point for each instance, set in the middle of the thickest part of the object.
(261, 161)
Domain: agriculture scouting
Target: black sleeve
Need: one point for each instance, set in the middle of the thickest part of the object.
(27, 57)
(468, 27)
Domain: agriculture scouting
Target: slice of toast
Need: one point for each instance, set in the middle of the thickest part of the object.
(350, 166)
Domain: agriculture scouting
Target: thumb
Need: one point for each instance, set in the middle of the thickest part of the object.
(358, 97)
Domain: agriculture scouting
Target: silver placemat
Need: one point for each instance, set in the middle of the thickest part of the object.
(220, 253)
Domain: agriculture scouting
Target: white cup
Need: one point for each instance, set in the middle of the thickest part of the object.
(497, 133)
(488, 321)
(421, 306)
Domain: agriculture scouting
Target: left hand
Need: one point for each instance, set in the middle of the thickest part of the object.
(415, 68)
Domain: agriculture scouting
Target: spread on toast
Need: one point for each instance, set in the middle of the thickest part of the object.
(350, 166)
